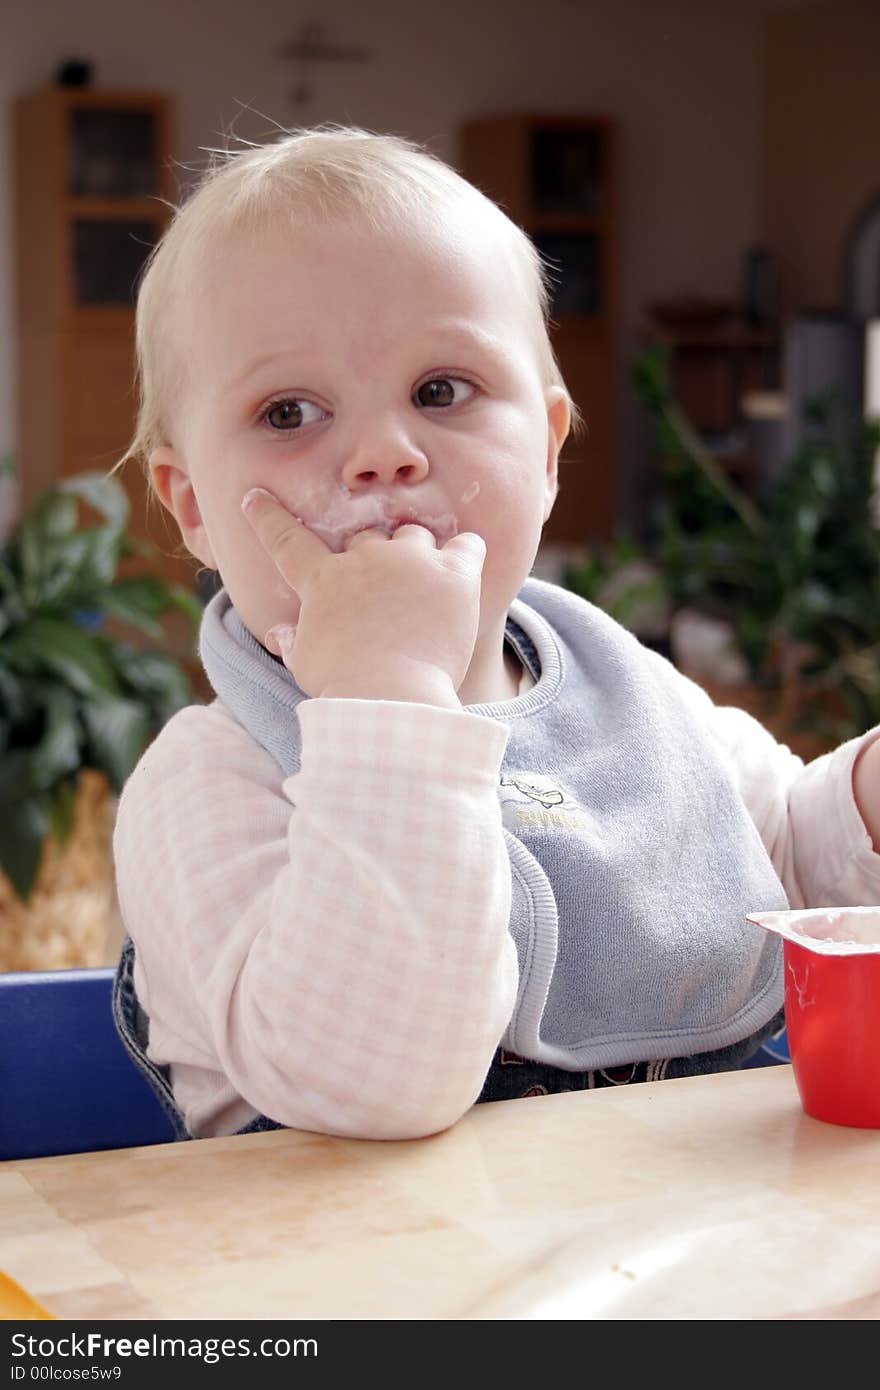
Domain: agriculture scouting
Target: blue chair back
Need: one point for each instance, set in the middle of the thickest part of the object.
(773, 1052)
(67, 1084)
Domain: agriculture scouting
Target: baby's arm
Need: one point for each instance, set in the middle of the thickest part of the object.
(866, 785)
(337, 947)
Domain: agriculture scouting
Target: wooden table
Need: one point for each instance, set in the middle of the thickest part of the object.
(712, 1197)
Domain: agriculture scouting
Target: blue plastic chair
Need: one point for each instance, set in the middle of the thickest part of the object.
(67, 1084)
(773, 1052)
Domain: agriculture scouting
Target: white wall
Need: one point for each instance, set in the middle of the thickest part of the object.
(681, 76)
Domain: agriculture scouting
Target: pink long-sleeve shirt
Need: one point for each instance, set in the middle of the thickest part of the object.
(332, 948)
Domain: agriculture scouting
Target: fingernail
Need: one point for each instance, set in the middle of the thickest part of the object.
(279, 639)
(252, 495)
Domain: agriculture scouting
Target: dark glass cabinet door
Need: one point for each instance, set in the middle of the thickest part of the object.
(112, 153)
(107, 259)
(567, 172)
(574, 260)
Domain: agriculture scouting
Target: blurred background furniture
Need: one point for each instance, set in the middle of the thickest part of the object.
(716, 358)
(555, 176)
(93, 184)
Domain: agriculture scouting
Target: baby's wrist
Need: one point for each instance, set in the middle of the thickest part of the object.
(409, 682)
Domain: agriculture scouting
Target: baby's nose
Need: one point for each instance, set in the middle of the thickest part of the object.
(384, 461)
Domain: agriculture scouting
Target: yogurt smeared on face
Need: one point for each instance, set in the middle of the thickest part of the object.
(336, 515)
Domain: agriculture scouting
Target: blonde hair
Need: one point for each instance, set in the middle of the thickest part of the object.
(327, 170)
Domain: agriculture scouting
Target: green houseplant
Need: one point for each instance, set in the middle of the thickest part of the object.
(794, 573)
(78, 700)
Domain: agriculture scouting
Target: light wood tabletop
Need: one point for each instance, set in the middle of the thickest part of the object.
(711, 1197)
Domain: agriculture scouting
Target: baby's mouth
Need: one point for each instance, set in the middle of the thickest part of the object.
(388, 527)
(442, 526)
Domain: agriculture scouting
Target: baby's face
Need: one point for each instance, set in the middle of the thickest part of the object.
(364, 379)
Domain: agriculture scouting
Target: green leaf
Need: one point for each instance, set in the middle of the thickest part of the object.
(63, 566)
(102, 491)
(808, 571)
(99, 561)
(14, 609)
(53, 518)
(50, 646)
(650, 376)
(187, 602)
(27, 770)
(21, 842)
(59, 563)
(59, 751)
(62, 807)
(72, 696)
(117, 731)
(62, 563)
(154, 677)
(161, 684)
(12, 693)
(139, 602)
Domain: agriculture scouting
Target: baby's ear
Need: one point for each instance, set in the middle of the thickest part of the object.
(558, 425)
(175, 491)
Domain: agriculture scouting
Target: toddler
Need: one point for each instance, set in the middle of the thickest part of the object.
(447, 833)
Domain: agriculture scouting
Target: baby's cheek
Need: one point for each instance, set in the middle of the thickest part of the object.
(513, 518)
(259, 591)
(325, 506)
(470, 494)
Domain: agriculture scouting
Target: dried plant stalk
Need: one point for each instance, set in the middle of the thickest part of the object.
(72, 911)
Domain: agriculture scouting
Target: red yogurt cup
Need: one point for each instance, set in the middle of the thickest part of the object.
(832, 1009)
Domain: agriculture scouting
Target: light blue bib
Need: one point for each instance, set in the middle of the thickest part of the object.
(633, 859)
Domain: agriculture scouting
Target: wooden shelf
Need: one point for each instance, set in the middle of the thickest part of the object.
(713, 366)
(77, 403)
(732, 337)
(83, 317)
(135, 209)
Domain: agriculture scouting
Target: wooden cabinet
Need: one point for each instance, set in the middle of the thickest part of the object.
(93, 184)
(555, 177)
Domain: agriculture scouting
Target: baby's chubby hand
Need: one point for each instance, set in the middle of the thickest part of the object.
(388, 618)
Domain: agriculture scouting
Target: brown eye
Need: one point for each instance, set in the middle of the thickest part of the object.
(289, 414)
(285, 415)
(440, 390)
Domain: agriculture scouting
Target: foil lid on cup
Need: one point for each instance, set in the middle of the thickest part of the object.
(829, 931)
